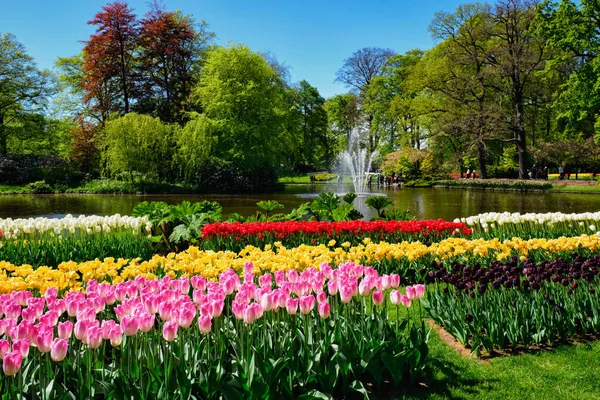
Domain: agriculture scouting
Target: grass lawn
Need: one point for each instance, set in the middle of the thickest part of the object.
(575, 189)
(566, 372)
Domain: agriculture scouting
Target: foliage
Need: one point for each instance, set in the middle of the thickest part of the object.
(379, 203)
(138, 143)
(328, 207)
(510, 305)
(39, 187)
(242, 97)
(23, 92)
(515, 184)
(243, 348)
(26, 168)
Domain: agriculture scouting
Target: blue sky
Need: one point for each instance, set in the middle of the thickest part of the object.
(311, 37)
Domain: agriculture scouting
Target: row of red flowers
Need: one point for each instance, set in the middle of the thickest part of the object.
(284, 229)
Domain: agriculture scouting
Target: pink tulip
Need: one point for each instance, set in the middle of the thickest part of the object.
(395, 280)
(324, 310)
(378, 297)
(170, 330)
(238, 309)
(4, 347)
(307, 303)
(364, 288)
(22, 346)
(198, 282)
(165, 310)
(65, 329)
(94, 337)
(110, 297)
(205, 324)
(12, 363)
(186, 316)
(322, 297)
(217, 307)
(265, 280)
(146, 322)
(50, 318)
(115, 335)
(386, 282)
(346, 294)
(29, 314)
(80, 330)
(419, 291)
(73, 306)
(292, 276)
(332, 287)
(130, 325)
(291, 305)
(395, 297)
(59, 349)
(12, 311)
(266, 301)
(279, 278)
(50, 293)
(44, 341)
(411, 293)
(106, 326)
(405, 301)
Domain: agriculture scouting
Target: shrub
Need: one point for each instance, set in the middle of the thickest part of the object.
(26, 168)
(39, 187)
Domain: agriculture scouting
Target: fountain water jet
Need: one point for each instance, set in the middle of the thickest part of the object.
(356, 161)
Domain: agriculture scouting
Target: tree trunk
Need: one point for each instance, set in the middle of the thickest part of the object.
(3, 149)
(482, 158)
(521, 141)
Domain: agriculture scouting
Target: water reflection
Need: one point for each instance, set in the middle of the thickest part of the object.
(423, 203)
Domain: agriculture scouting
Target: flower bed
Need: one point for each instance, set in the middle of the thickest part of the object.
(411, 260)
(514, 184)
(506, 225)
(236, 236)
(50, 241)
(512, 304)
(316, 333)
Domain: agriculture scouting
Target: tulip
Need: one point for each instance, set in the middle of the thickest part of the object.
(146, 321)
(12, 363)
(44, 341)
(165, 310)
(59, 349)
(65, 329)
(411, 293)
(291, 305)
(419, 291)
(395, 280)
(22, 346)
(205, 324)
(80, 330)
(115, 335)
(130, 325)
(170, 330)
(395, 297)
(94, 337)
(307, 303)
(324, 310)
(322, 297)
(346, 294)
(332, 287)
(198, 282)
(378, 297)
(405, 301)
(4, 347)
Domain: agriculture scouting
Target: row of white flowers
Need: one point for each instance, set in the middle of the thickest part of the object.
(553, 221)
(89, 224)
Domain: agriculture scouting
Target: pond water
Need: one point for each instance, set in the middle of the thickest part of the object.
(424, 203)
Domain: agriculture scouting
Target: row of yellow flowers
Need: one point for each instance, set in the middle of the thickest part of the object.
(72, 275)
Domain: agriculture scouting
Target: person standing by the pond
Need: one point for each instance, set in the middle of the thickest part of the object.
(468, 173)
(545, 172)
(533, 172)
(474, 173)
(561, 173)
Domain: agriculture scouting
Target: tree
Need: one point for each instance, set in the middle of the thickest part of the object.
(110, 82)
(139, 144)
(358, 72)
(169, 53)
(573, 33)
(343, 114)
(312, 124)
(195, 145)
(84, 146)
(24, 91)
(516, 52)
(458, 69)
(244, 100)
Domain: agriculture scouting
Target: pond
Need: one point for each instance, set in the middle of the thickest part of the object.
(424, 203)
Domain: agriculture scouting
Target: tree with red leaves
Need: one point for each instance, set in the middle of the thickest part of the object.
(109, 72)
(84, 149)
(170, 48)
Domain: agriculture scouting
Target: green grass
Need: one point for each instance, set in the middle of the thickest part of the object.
(576, 189)
(566, 372)
(13, 189)
(294, 179)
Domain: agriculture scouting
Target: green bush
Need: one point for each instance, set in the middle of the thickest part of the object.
(39, 187)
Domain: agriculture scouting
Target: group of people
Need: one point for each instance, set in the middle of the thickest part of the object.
(540, 173)
(471, 174)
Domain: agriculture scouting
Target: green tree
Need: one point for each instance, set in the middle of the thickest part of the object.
(243, 98)
(195, 145)
(24, 91)
(139, 144)
(315, 147)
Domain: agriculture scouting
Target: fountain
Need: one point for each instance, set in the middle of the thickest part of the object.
(355, 160)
